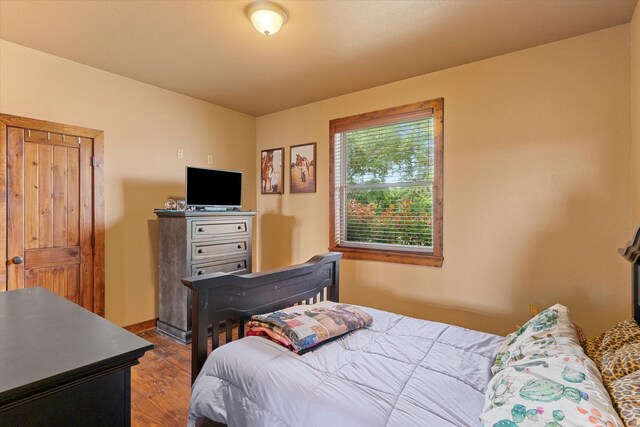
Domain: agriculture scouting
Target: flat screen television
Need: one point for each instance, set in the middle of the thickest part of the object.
(210, 188)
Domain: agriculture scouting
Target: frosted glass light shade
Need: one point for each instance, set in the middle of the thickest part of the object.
(267, 17)
(267, 22)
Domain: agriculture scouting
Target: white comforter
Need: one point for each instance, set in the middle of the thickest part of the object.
(399, 371)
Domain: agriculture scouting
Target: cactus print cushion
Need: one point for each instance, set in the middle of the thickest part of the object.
(549, 333)
(625, 393)
(616, 351)
(302, 327)
(561, 390)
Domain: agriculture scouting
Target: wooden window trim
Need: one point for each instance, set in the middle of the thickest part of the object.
(433, 107)
(8, 120)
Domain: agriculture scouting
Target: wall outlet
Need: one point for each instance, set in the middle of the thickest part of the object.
(210, 159)
(180, 153)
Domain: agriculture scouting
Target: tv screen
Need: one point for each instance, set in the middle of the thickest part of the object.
(217, 188)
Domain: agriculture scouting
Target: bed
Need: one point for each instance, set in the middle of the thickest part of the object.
(398, 371)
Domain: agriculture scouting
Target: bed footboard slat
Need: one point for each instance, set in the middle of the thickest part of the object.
(229, 330)
(240, 328)
(215, 335)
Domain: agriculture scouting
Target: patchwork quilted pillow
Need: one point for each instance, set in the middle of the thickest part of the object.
(549, 333)
(561, 390)
(616, 351)
(303, 327)
(625, 393)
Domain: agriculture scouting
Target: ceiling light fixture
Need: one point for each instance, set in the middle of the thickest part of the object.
(266, 16)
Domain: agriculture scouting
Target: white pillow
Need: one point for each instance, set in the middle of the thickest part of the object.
(549, 333)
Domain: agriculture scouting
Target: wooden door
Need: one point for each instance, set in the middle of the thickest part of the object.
(51, 227)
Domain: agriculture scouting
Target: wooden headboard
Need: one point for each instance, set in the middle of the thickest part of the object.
(631, 252)
(229, 298)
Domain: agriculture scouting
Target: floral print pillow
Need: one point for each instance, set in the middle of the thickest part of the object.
(549, 333)
(561, 390)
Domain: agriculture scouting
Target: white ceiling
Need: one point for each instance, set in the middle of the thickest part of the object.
(209, 50)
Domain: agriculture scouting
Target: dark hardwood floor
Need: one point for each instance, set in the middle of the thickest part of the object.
(161, 383)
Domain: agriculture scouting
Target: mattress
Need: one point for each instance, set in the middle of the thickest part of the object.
(399, 371)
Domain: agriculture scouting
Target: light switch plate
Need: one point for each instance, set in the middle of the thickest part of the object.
(210, 159)
(180, 153)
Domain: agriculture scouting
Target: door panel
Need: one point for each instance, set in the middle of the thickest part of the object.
(51, 226)
(51, 257)
(59, 196)
(31, 200)
(15, 200)
(73, 197)
(73, 285)
(44, 215)
(61, 280)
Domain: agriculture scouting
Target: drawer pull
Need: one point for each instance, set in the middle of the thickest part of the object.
(239, 265)
(200, 251)
(239, 246)
(239, 227)
(200, 230)
(200, 272)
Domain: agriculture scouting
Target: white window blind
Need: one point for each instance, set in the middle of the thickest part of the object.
(383, 178)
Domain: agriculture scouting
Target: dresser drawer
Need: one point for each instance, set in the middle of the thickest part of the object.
(200, 229)
(225, 267)
(202, 250)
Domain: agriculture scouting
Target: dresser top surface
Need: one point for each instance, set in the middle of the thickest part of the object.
(164, 213)
(45, 339)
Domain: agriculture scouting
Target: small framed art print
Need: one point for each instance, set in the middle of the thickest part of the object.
(272, 171)
(302, 177)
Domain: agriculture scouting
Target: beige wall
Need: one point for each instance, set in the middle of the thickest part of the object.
(537, 177)
(536, 190)
(144, 126)
(635, 112)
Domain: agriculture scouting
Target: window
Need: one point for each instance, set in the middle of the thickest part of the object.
(386, 184)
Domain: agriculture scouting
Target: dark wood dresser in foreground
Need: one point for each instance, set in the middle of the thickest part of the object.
(61, 365)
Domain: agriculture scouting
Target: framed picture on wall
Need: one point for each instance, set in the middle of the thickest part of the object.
(272, 171)
(302, 177)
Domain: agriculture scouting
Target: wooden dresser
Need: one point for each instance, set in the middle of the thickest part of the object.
(61, 365)
(194, 243)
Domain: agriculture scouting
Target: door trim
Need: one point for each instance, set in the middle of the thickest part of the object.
(7, 120)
